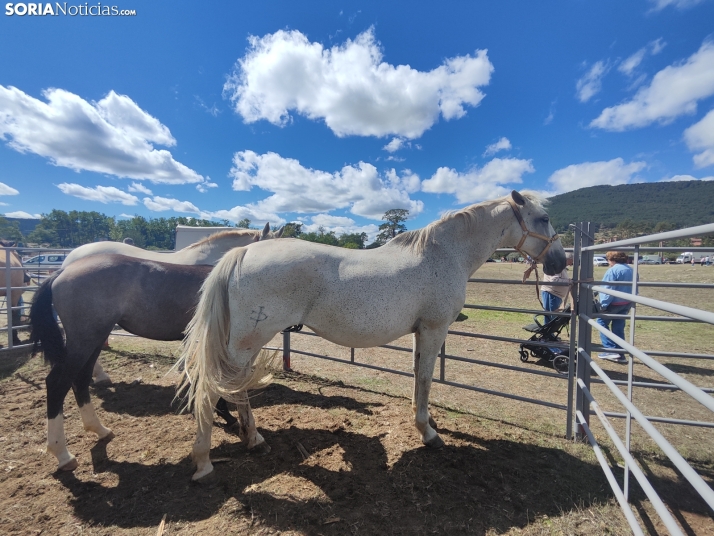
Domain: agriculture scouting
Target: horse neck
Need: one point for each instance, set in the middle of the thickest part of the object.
(477, 242)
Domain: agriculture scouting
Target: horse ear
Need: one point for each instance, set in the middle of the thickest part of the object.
(518, 198)
(265, 232)
(279, 232)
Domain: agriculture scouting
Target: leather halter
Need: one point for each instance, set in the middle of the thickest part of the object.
(527, 233)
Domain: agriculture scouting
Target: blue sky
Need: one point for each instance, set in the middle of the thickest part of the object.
(331, 113)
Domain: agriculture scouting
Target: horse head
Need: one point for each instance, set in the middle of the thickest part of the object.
(538, 239)
(265, 234)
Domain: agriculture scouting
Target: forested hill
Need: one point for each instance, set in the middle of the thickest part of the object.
(682, 204)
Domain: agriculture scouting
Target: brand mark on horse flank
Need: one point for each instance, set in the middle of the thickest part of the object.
(258, 315)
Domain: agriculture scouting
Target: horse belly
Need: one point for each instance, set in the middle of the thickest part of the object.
(362, 325)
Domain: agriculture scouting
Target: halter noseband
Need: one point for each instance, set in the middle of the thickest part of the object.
(527, 233)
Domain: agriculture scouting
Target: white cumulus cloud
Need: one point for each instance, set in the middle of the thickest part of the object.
(102, 194)
(631, 63)
(591, 82)
(700, 137)
(204, 186)
(612, 172)
(340, 225)
(161, 204)
(674, 91)
(23, 215)
(7, 190)
(296, 188)
(350, 87)
(479, 183)
(394, 145)
(504, 144)
(139, 188)
(256, 215)
(112, 136)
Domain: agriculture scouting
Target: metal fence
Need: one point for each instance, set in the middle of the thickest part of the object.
(43, 262)
(579, 403)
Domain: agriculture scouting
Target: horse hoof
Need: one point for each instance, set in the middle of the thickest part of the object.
(71, 465)
(432, 423)
(207, 480)
(107, 438)
(435, 442)
(260, 450)
(102, 383)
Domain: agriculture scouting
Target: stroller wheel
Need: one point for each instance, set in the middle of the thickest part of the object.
(524, 355)
(560, 363)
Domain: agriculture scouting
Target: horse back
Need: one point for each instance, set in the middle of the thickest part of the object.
(148, 298)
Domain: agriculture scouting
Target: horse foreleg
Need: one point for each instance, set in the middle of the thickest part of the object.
(248, 431)
(86, 409)
(426, 349)
(58, 385)
(202, 445)
(415, 391)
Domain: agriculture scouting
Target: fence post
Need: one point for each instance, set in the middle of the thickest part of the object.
(630, 375)
(8, 297)
(286, 351)
(442, 367)
(585, 307)
(573, 348)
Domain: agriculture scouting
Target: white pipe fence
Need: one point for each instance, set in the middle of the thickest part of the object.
(580, 403)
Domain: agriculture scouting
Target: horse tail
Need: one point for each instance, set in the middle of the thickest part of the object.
(206, 363)
(46, 334)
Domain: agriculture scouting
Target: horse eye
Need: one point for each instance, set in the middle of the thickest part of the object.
(545, 219)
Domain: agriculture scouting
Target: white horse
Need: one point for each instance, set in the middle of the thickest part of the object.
(416, 284)
(209, 250)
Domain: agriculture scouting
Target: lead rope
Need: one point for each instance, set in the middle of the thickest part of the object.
(526, 276)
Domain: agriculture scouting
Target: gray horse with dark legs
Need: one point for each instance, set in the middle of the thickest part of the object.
(150, 299)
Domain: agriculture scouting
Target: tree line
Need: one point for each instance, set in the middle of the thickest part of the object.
(72, 229)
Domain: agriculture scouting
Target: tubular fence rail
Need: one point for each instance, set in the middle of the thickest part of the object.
(37, 271)
(582, 371)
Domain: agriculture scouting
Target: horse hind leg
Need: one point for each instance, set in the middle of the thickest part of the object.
(201, 453)
(58, 385)
(248, 431)
(100, 376)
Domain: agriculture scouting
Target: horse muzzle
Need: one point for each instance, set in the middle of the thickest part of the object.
(554, 261)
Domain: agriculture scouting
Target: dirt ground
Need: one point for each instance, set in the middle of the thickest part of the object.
(346, 458)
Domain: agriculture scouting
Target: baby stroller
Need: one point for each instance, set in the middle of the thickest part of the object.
(547, 332)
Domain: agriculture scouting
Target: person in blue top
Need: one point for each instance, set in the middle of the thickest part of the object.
(618, 271)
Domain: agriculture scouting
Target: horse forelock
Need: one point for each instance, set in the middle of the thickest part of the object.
(223, 234)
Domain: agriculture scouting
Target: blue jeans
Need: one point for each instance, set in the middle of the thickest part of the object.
(551, 302)
(618, 324)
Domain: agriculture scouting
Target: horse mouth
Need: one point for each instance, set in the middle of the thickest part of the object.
(554, 266)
